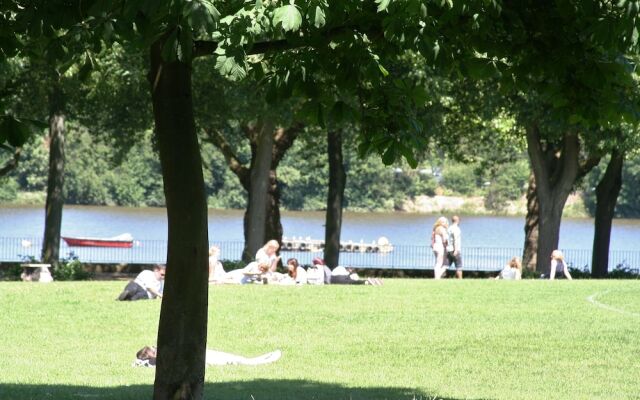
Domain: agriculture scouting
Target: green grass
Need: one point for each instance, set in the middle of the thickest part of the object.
(409, 339)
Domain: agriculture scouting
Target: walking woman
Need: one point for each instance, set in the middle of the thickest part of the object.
(439, 236)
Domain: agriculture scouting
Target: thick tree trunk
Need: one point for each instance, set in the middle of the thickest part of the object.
(531, 227)
(555, 170)
(273, 223)
(258, 194)
(550, 219)
(607, 193)
(55, 181)
(283, 140)
(182, 331)
(335, 197)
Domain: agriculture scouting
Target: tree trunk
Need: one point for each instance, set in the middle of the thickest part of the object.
(182, 330)
(555, 170)
(256, 215)
(282, 141)
(335, 197)
(55, 181)
(606, 198)
(531, 226)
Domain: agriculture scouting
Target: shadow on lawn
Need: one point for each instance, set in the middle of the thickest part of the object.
(263, 389)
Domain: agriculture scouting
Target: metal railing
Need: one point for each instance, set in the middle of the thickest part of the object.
(402, 256)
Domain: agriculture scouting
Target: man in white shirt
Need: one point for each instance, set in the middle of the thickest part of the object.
(147, 285)
(454, 246)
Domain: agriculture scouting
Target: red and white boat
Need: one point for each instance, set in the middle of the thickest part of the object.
(124, 240)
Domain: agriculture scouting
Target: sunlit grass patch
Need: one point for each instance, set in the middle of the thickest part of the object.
(407, 339)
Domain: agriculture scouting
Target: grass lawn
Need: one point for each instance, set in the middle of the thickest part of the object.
(409, 339)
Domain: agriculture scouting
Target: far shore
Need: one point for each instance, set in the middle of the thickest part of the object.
(438, 204)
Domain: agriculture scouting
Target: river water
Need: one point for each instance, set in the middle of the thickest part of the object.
(402, 229)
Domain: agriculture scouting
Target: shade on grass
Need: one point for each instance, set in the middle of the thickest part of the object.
(408, 339)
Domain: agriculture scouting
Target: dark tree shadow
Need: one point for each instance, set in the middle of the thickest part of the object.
(262, 389)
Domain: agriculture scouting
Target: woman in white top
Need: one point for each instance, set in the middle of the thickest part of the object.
(511, 271)
(295, 273)
(439, 236)
(558, 265)
(257, 271)
(267, 255)
(216, 270)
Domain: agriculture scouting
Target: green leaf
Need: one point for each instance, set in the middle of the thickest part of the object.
(14, 131)
(87, 67)
(382, 4)
(288, 16)
(383, 70)
(408, 155)
(319, 18)
(230, 67)
(389, 156)
(480, 68)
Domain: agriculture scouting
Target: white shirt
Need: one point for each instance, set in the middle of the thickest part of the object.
(455, 238)
(301, 276)
(509, 273)
(218, 270)
(315, 275)
(147, 279)
(263, 258)
(340, 271)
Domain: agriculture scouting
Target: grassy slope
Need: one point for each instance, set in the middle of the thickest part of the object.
(409, 339)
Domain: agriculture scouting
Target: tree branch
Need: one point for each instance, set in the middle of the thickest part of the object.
(283, 140)
(206, 48)
(538, 165)
(11, 164)
(233, 162)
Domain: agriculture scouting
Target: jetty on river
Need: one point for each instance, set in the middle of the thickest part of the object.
(382, 245)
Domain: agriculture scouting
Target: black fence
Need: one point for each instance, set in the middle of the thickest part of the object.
(401, 257)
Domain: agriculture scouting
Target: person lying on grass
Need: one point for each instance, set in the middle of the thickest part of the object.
(146, 357)
(147, 285)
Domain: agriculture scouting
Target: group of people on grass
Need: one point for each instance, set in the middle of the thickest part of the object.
(559, 268)
(446, 243)
(264, 270)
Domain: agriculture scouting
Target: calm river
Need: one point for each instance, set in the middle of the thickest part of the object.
(147, 224)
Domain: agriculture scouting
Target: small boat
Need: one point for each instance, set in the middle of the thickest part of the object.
(382, 245)
(124, 240)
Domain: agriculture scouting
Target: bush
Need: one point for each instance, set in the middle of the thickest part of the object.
(8, 190)
(11, 272)
(70, 269)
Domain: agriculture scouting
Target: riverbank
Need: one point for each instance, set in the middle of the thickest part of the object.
(438, 204)
(475, 205)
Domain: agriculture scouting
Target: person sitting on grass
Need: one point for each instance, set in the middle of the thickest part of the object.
(511, 271)
(558, 266)
(267, 255)
(216, 270)
(147, 285)
(146, 357)
(317, 272)
(296, 274)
